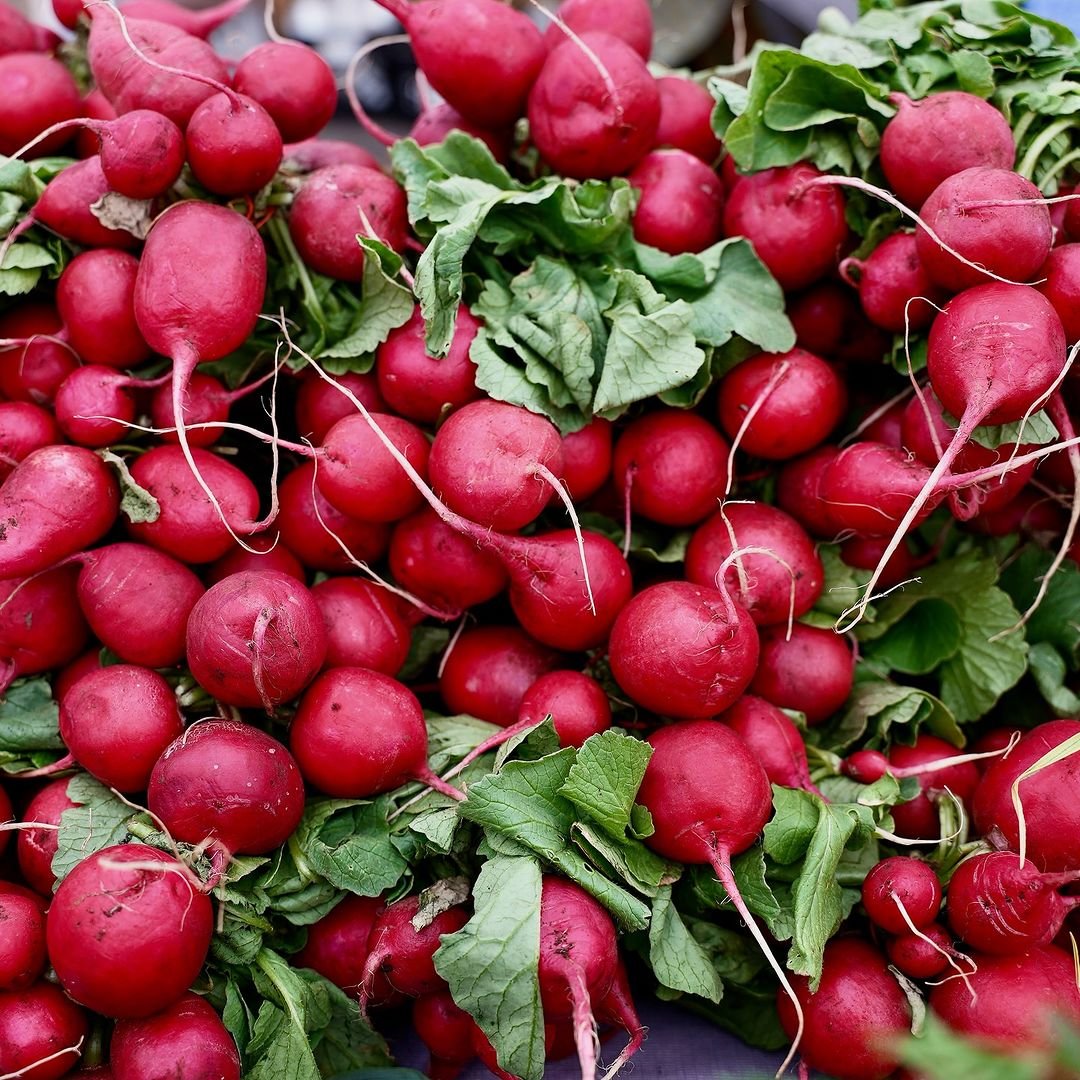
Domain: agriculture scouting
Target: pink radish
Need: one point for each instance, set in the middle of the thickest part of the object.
(1062, 287)
(22, 942)
(681, 202)
(901, 880)
(34, 359)
(206, 401)
(587, 458)
(24, 428)
(95, 406)
(363, 627)
(270, 554)
(630, 20)
(36, 847)
(773, 739)
(19, 34)
(686, 118)
(797, 491)
(233, 145)
(37, 1023)
(809, 669)
(37, 93)
(199, 23)
(320, 405)
(312, 154)
(337, 946)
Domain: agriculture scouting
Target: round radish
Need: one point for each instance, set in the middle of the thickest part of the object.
(587, 459)
(901, 880)
(918, 958)
(686, 118)
(363, 627)
(36, 847)
(576, 703)
(37, 92)
(22, 941)
(811, 671)
(94, 405)
(889, 280)
(337, 944)
(36, 1023)
(918, 818)
(773, 739)
(233, 145)
(293, 83)
(681, 202)
(320, 405)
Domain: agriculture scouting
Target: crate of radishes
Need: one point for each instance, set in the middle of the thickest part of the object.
(619, 544)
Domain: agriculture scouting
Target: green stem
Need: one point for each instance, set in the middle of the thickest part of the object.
(1023, 125)
(1057, 169)
(1027, 166)
(303, 867)
(142, 831)
(279, 231)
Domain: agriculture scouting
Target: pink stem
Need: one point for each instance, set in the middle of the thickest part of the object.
(436, 783)
(375, 130)
(96, 126)
(63, 765)
(492, 742)
(583, 1020)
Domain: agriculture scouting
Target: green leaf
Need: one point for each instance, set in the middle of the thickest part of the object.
(605, 778)
(795, 819)
(29, 724)
(627, 858)
(1048, 669)
(974, 72)
(925, 638)
(878, 711)
(1055, 621)
(677, 960)
(22, 268)
(347, 1041)
(279, 1047)
(136, 503)
(98, 820)
(939, 1053)
(491, 963)
(16, 178)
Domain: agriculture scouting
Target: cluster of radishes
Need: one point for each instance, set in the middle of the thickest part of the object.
(435, 493)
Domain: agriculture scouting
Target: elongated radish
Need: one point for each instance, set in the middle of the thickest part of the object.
(773, 739)
(201, 22)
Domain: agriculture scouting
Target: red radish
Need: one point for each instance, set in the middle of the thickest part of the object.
(95, 106)
(37, 92)
(864, 553)
(270, 554)
(359, 733)
(998, 905)
(70, 674)
(418, 386)
(576, 703)
(480, 55)
(797, 491)
(320, 405)
(823, 316)
(309, 523)
(95, 298)
(34, 359)
(782, 404)
(901, 880)
(255, 639)
(772, 587)
(1031, 513)
(967, 214)
(402, 953)
(22, 942)
(594, 108)
(856, 1016)
(337, 945)
(95, 406)
(811, 670)
(889, 280)
(206, 401)
(312, 154)
(686, 118)
(798, 234)
(293, 83)
(233, 145)
(630, 20)
(587, 459)
(918, 958)
(918, 818)
(230, 783)
(1050, 798)
(36, 1023)
(1015, 1002)
(7, 813)
(930, 140)
(190, 527)
(446, 1031)
(681, 202)
(199, 23)
(24, 428)
(324, 219)
(363, 627)
(1062, 286)
(489, 670)
(885, 425)
(435, 123)
(1071, 220)
(773, 739)
(116, 722)
(674, 464)
(56, 501)
(682, 650)
(36, 847)
(119, 904)
(19, 34)
(187, 1038)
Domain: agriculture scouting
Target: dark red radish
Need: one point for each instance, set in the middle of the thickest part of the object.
(24, 428)
(780, 405)
(446, 1031)
(309, 523)
(269, 554)
(489, 670)
(1050, 799)
(320, 405)
(773, 739)
(358, 733)
(982, 214)
(681, 202)
(312, 154)
(293, 83)
(435, 123)
(55, 502)
(630, 20)
(587, 459)
(779, 577)
(856, 1017)
(901, 880)
(1062, 287)
(823, 316)
(681, 650)
(594, 107)
(363, 627)
(95, 405)
(576, 703)
(686, 118)
(118, 905)
(117, 721)
(1071, 221)
(885, 425)
(918, 958)
(418, 386)
(337, 944)
(70, 674)
(7, 813)
(480, 55)
(206, 401)
(864, 553)
(255, 639)
(930, 140)
(36, 1023)
(37, 92)
(190, 527)
(810, 670)
(34, 357)
(798, 234)
(324, 218)
(1032, 513)
(185, 1039)
(674, 464)
(1012, 1004)
(22, 942)
(19, 34)
(895, 290)
(229, 783)
(36, 847)
(918, 818)
(798, 486)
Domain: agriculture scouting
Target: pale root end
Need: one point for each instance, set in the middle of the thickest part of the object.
(949, 762)
(564, 495)
(26, 1070)
(585, 1037)
(376, 131)
(774, 381)
(628, 524)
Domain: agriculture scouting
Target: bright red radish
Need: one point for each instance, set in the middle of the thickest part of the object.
(630, 20)
(889, 280)
(576, 703)
(594, 108)
(337, 944)
(798, 491)
(930, 140)
(233, 145)
(898, 880)
(37, 92)
(94, 405)
(320, 405)
(128, 931)
(363, 627)
(24, 428)
(187, 1038)
(773, 739)
(686, 118)
(293, 83)
(918, 818)
(206, 401)
(918, 958)
(587, 458)
(36, 847)
(680, 207)
(37, 1023)
(682, 650)
(812, 670)
(446, 1031)
(22, 941)
(19, 34)
(823, 316)
(255, 639)
(268, 554)
(312, 154)
(1062, 287)
(34, 359)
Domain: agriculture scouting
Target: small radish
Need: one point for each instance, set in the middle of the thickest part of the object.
(318, 153)
(337, 946)
(34, 358)
(24, 428)
(95, 406)
(798, 487)
(918, 958)
(901, 880)
(233, 145)
(446, 1031)
(269, 554)
(38, 92)
(686, 118)
(22, 942)
(206, 401)
(773, 739)
(811, 670)
(363, 627)
(36, 847)
(918, 818)
(587, 458)
(36, 1023)
(320, 405)
(681, 201)
(1062, 286)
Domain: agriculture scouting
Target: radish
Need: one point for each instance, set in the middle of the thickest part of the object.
(255, 639)
(918, 958)
(36, 847)
(128, 931)
(39, 1023)
(228, 783)
(206, 401)
(810, 669)
(95, 106)
(337, 946)
(998, 905)
(587, 459)
(199, 23)
(70, 674)
(22, 942)
(682, 650)
(34, 359)
(24, 428)
(37, 93)
(798, 234)
(901, 881)
(686, 118)
(320, 405)
(680, 206)
(630, 20)
(312, 154)
(594, 108)
(773, 739)
(233, 145)
(270, 554)
(363, 627)
(55, 502)
(434, 124)
(576, 703)
(864, 553)
(823, 317)
(797, 491)
(19, 34)
(95, 406)
(116, 722)
(187, 1038)
(446, 1031)
(780, 577)
(856, 1016)
(930, 140)
(1062, 286)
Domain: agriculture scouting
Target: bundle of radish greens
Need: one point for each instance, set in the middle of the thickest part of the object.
(620, 543)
